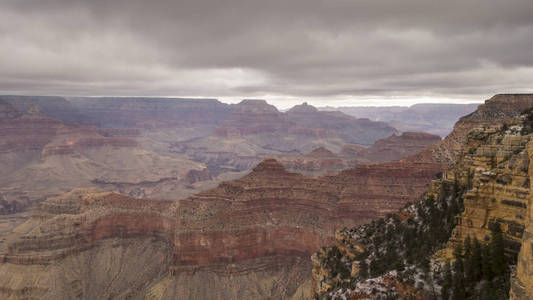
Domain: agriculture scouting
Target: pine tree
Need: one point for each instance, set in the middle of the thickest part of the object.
(458, 253)
(497, 251)
(468, 264)
(447, 281)
(459, 291)
(374, 268)
(468, 247)
(485, 292)
(476, 261)
(363, 269)
(486, 267)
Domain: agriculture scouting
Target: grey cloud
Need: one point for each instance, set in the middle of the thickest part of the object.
(240, 48)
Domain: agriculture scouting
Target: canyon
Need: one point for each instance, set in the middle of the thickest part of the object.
(258, 230)
(244, 238)
(159, 148)
(149, 147)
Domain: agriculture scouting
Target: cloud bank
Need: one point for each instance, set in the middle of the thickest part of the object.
(322, 50)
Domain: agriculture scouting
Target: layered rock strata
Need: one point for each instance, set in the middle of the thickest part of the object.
(259, 231)
(491, 157)
(153, 147)
(396, 147)
(242, 228)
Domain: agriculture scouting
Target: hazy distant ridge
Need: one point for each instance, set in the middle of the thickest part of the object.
(428, 117)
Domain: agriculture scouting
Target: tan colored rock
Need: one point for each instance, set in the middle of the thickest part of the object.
(522, 281)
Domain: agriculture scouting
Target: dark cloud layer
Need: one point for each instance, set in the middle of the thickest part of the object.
(312, 49)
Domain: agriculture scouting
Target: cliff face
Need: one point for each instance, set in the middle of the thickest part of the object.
(151, 113)
(490, 164)
(258, 230)
(497, 174)
(494, 166)
(522, 282)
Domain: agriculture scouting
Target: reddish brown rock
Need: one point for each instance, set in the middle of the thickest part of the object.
(318, 162)
(321, 161)
(256, 117)
(240, 227)
(397, 147)
(269, 213)
(27, 133)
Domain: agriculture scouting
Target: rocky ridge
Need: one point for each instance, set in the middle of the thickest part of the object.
(322, 161)
(435, 118)
(395, 147)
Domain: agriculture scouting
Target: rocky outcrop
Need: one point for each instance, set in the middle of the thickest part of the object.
(57, 108)
(240, 224)
(396, 147)
(318, 162)
(522, 282)
(252, 117)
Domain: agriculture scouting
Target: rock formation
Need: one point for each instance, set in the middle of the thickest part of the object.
(491, 157)
(322, 161)
(318, 162)
(395, 147)
(259, 229)
(245, 238)
(522, 282)
(145, 147)
(43, 157)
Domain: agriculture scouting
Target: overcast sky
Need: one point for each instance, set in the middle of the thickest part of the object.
(326, 52)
